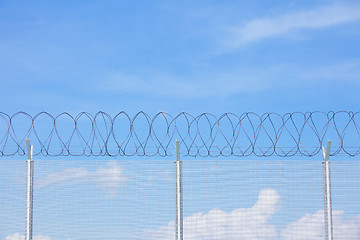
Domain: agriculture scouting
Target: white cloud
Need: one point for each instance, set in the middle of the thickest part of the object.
(258, 29)
(108, 178)
(311, 227)
(17, 236)
(254, 224)
(242, 223)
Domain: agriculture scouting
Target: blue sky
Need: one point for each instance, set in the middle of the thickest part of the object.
(208, 56)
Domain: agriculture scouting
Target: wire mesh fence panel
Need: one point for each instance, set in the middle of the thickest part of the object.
(222, 199)
(12, 197)
(248, 199)
(345, 189)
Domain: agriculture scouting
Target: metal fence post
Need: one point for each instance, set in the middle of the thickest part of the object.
(327, 193)
(179, 205)
(29, 191)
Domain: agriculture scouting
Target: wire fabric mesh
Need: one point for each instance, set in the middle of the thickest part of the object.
(222, 199)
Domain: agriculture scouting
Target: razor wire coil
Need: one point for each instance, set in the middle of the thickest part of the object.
(203, 135)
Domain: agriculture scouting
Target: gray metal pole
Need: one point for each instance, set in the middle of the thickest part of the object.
(327, 193)
(29, 191)
(179, 204)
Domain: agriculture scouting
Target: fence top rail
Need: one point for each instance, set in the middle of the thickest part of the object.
(204, 135)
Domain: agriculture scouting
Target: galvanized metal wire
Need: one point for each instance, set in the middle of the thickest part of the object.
(203, 135)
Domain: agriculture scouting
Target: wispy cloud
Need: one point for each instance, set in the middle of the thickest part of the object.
(347, 71)
(262, 28)
(235, 81)
(108, 178)
(192, 86)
